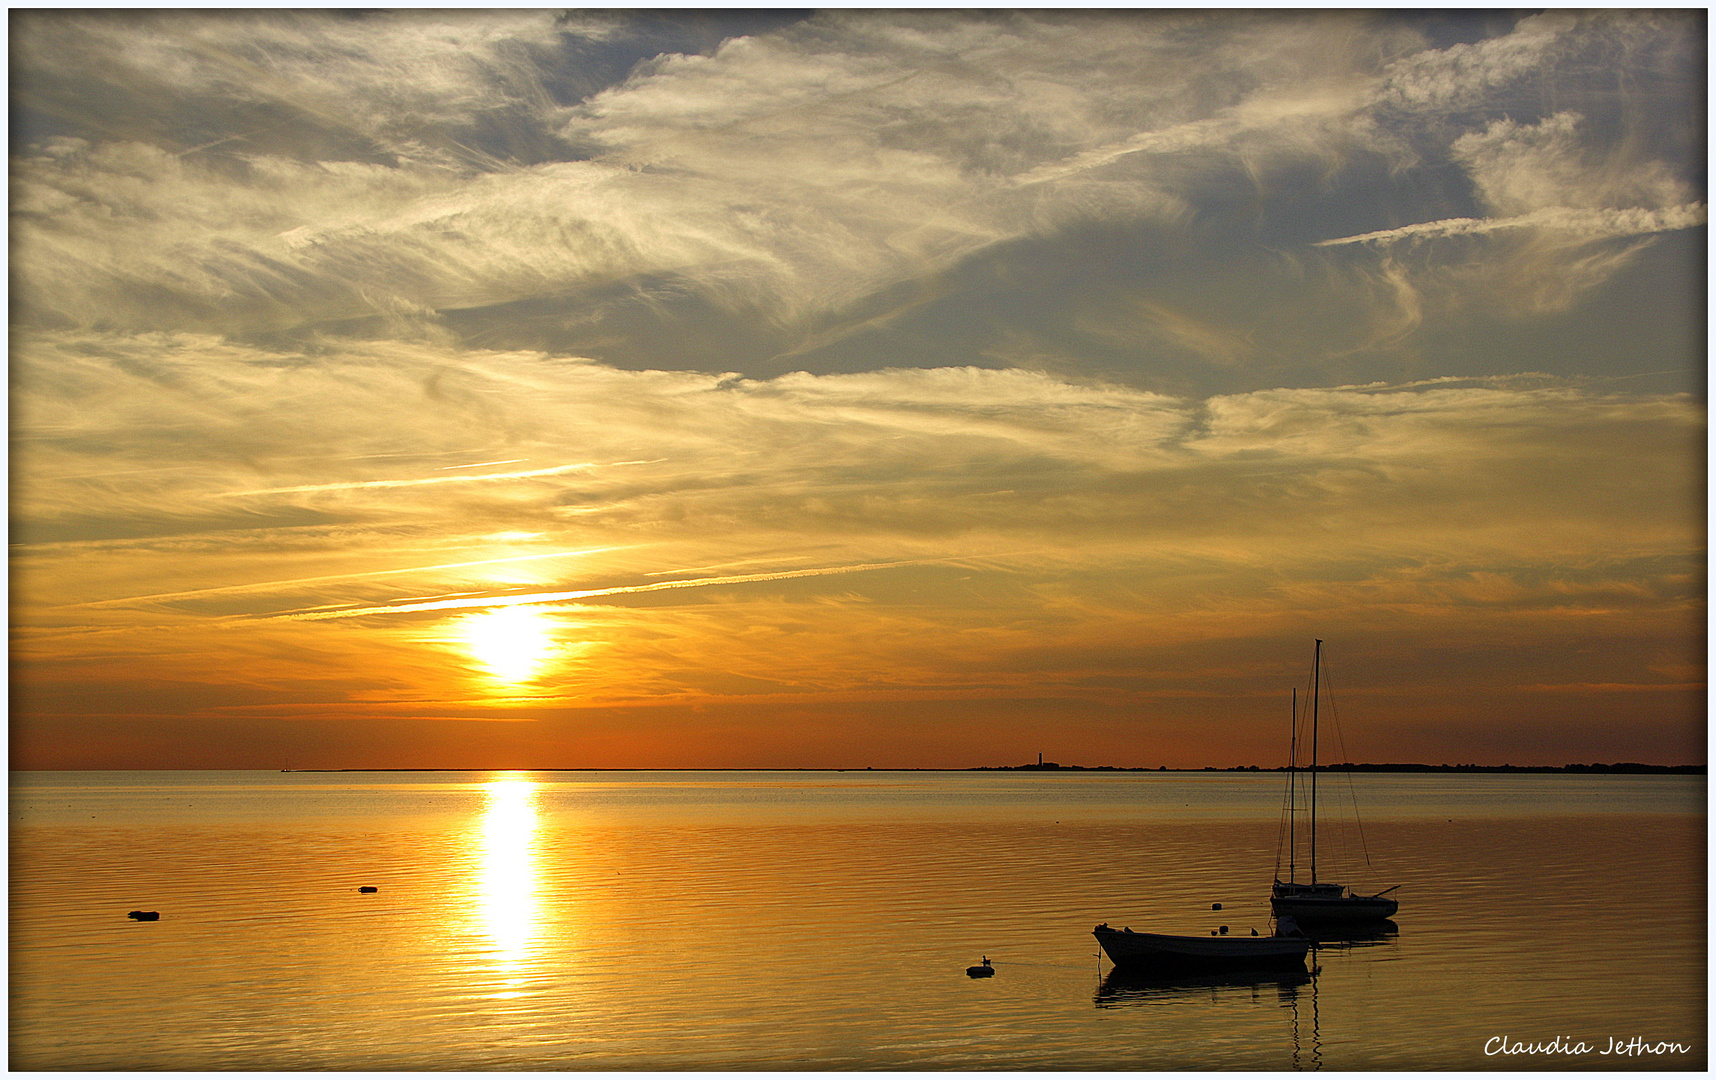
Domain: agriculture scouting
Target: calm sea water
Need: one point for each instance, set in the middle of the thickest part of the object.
(824, 920)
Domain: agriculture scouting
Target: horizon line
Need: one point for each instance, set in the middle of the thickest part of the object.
(1608, 767)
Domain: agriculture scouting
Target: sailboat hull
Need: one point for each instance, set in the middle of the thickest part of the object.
(1323, 910)
(1180, 952)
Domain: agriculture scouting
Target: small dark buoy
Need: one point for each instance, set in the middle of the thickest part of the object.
(1254, 931)
(144, 916)
(1215, 907)
(981, 971)
(1224, 929)
(366, 888)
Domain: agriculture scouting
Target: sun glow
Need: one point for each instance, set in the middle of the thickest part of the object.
(513, 643)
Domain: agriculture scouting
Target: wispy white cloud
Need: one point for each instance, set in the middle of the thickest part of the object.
(1521, 168)
(1541, 177)
(1466, 75)
(787, 173)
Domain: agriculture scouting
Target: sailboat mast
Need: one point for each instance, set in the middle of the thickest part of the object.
(1316, 693)
(1293, 792)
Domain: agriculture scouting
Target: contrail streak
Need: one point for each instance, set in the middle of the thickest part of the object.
(1589, 224)
(480, 464)
(584, 594)
(258, 586)
(523, 474)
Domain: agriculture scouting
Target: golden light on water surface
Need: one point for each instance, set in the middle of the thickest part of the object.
(508, 874)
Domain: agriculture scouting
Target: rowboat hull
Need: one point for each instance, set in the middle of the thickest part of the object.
(1127, 948)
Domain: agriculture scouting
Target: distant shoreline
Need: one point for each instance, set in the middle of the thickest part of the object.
(1624, 767)
(1600, 769)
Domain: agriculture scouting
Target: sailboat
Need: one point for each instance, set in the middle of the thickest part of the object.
(1314, 902)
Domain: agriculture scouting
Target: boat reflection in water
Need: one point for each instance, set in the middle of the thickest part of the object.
(1132, 986)
(1293, 991)
(1353, 935)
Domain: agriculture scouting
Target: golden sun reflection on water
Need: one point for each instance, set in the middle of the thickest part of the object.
(508, 874)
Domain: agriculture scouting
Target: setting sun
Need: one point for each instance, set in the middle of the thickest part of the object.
(513, 643)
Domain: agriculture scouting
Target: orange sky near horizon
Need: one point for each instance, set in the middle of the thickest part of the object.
(512, 390)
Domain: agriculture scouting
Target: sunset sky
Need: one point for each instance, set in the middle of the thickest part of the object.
(496, 389)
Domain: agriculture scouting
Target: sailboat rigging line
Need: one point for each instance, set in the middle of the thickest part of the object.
(1283, 832)
(1292, 791)
(1299, 720)
(1316, 696)
(1352, 793)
